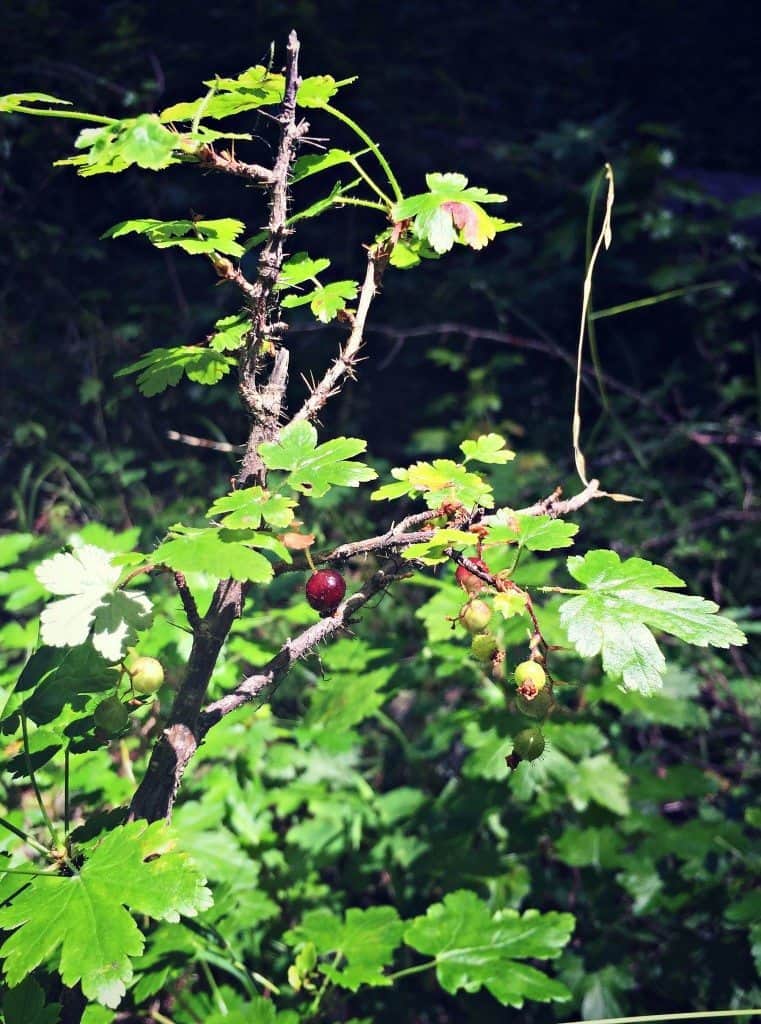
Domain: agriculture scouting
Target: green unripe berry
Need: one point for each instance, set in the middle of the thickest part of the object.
(146, 675)
(529, 744)
(111, 716)
(538, 707)
(475, 616)
(483, 646)
(530, 672)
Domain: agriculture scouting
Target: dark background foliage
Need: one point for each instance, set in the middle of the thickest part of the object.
(526, 98)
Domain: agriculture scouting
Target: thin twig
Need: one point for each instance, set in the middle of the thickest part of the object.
(228, 164)
(476, 334)
(201, 442)
(227, 271)
(554, 506)
(396, 536)
(344, 364)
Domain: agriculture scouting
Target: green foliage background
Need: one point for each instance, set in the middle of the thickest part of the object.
(377, 780)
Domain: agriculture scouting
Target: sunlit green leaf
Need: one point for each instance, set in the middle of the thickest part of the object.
(622, 600)
(80, 922)
(92, 606)
(193, 236)
(163, 367)
(220, 553)
(366, 938)
(487, 448)
(475, 948)
(313, 469)
(247, 507)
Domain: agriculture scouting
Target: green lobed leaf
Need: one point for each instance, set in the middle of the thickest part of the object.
(141, 141)
(14, 100)
(80, 923)
(25, 1004)
(475, 948)
(162, 368)
(434, 551)
(438, 481)
(12, 545)
(300, 267)
(313, 469)
(488, 448)
(256, 87)
(147, 143)
(589, 847)
(221, 553)
(342, 700)
(599, 780)
(317, 90)
(366, 938)
(325, 301)
(230, 332)
(94, 609)
(535, 533)
(305, 166)
(451, 212)
(623, 599)
(56, 677)
(247, 507)
(193, 236)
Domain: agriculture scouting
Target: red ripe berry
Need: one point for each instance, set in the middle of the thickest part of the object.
(325, 590)
(467, 580)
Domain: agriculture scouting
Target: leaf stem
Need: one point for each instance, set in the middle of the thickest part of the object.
(366, 177)
(416, 969)
(30, 772)
(369, 142)
(22, 835)
(349, 201)
(160, 1018)
(216, 994)
(66, 795)
(325, 982)
(72, 115)
(651, 300)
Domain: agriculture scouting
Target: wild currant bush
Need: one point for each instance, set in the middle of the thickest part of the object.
(109, 886)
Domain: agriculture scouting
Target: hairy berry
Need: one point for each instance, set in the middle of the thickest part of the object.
(537, 706)
(111, 716)
(325, 590)
(483, 646)
(146, 675)
(528, 744)
(475, 616)
(532, 673)
(467, 580)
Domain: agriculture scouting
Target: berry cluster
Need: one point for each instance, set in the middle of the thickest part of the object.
(534, 697)
(111, 716)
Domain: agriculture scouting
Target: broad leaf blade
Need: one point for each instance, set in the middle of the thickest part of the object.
(81, 920)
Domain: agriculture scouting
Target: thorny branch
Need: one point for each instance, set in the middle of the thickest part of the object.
(344, 364)
(228, 164)
(189, 721)
(188, 601)
(263, 683)
(157, 791)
